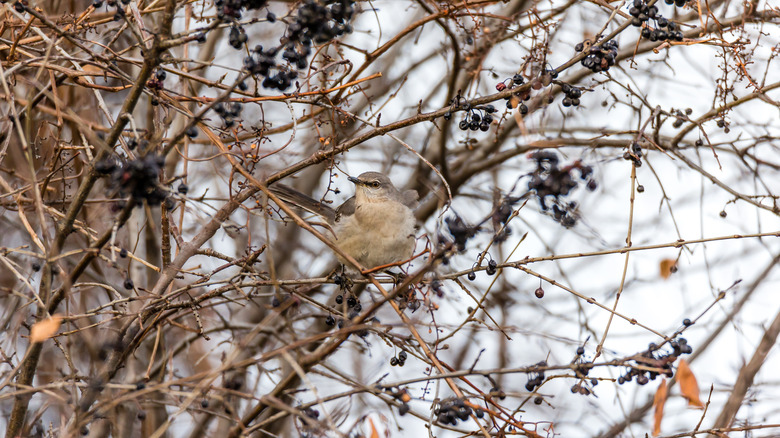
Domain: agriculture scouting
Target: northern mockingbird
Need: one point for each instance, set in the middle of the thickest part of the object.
(376, 226)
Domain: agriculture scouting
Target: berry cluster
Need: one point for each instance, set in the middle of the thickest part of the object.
(678, 3)
(460, 231)
(135, 178)
(451, 410)
(231, 9)
(157, 82)
(664, 30)
(491, 267)
(599, 57)
(228, 112)
(409, 300)
(520, 96)
(550, 181)
(118, 15)
(537, 380)
(680, 117)
(400, 360)
(315, 22)
(634, 154)
(573, 95)
(237, 37)
(478, 118)
(662, 362)
(581, 387)
(353, 305)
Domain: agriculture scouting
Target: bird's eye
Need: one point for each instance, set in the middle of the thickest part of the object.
(375, 184)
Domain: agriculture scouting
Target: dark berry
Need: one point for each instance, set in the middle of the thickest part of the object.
(523, 109)
(36, 266)
(517, 79)
(128, 284)
(393, 361)
(538, 400)
(580, 351)
(192, 132)
(539, 292)
(339, 299)
(687, 322)
(330, 321)
(640, 188)
(403, 409)
(723, 213)
(402, 356)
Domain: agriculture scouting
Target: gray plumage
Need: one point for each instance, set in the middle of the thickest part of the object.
(376, 226)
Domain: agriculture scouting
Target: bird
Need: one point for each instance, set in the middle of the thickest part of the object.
(376, 226)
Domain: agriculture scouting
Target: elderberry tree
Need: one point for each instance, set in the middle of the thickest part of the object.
(597, 208)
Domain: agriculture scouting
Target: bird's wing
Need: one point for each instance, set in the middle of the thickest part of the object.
(410, 198)
(345, 209)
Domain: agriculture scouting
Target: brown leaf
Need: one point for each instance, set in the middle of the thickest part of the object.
(668, 267)
(688, 385)
(43, 330)
(658, 403)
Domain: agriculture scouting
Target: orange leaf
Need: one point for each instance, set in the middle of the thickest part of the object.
(668, 267)
(658, 403)
(688, 386)
(374, 432)
(43, 330)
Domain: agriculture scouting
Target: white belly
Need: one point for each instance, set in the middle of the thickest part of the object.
(377, 234)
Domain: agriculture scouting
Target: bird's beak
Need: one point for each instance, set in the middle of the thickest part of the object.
(355, 181)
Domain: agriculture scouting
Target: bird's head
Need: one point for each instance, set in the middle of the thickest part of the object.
(374, 187)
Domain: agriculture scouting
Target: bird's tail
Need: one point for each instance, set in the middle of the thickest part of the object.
(296, 198)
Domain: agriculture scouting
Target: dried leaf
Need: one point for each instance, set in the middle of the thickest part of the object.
(92, 70)
(658, 403)
(43, 330)
(668, 267)
(688, 385)
(374, 432)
